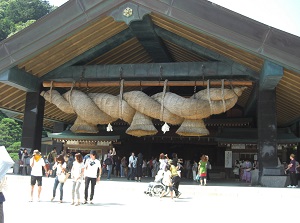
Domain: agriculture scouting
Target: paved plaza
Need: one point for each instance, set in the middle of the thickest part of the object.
(121, 200)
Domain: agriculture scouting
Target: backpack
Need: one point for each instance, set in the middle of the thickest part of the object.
(108, 161)
(50, 158)
(297, 168)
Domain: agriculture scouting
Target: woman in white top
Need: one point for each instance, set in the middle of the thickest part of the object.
(167, 181)
(60, 167)
(77, 176)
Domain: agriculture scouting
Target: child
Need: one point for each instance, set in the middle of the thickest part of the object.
(167, 181)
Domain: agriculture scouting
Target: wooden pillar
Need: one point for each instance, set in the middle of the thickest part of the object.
(33, 121)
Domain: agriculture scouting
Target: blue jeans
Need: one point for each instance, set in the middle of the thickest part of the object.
(56, 182)
(129, 175)
(109, 168)
(122, 170)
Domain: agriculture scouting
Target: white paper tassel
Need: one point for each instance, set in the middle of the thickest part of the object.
(109, 128)
(165, 128)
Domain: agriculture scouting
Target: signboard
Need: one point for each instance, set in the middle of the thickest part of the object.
(228, 159)
(238, 146)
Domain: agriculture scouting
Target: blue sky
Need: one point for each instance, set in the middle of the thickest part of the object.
(281, 14)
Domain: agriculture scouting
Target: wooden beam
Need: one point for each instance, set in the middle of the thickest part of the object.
(91, 84)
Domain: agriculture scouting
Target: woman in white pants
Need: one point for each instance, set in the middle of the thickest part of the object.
(77, 176)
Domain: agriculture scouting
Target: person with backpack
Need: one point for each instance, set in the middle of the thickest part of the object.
(51, 157)
(139, 167)
(109, 162)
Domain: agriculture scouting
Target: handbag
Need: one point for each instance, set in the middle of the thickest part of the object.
(62, 178)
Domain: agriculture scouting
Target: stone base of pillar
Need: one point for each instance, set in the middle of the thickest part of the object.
(275, 181)
(274, 177)
(255, 177)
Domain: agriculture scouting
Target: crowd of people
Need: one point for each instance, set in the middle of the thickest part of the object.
(60, 168)
(242, 170)
(90, 169)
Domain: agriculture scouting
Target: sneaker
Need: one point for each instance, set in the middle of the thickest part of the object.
(293, 186)
(72, 203)
(85, 202)
(77, 204)
(52, 198)
(178, 195)
(91, 202)
(289, 186)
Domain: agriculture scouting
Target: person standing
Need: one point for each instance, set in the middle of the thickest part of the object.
(123, 166)
(292, 170)
(247, 167)
(77, 172)
(202, 169)
(60, 167)
(92, 175)
(51, 157)
(117, 166)
(167, 181)
(130, 166)
(175, 179)
(162, 161)
(37, 164)
(3, 186)
(25, 159)
(195, 169)
(109, 162)
(139, 167)
(175, 174)
(236, 170)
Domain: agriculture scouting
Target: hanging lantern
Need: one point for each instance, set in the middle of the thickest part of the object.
(109, 128)
(165, 128)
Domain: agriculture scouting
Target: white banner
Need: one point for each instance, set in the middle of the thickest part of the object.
(228, 159)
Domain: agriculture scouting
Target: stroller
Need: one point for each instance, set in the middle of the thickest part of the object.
(157, 187)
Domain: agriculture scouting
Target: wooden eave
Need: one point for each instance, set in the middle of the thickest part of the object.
(72, 42)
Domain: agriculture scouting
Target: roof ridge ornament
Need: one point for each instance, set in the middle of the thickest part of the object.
(129, 12)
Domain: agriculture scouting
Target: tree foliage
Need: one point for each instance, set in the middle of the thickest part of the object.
(10, 132)
(16, 14)
(13, 150)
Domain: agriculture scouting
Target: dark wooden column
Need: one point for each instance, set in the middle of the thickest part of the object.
(298, 135)
(267, 129)
(33, 121)
(271, 174)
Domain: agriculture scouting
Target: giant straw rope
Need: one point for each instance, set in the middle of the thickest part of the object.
(138, 109)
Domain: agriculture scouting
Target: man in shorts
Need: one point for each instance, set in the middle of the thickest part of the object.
(37, 163)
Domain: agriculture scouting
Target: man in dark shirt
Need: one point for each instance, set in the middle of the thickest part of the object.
(292, 170)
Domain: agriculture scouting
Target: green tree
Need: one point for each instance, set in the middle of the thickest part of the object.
(10, 132)
(18, 27)
(18, 14)
(13, 150)
(24, 10)
(2, 116)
